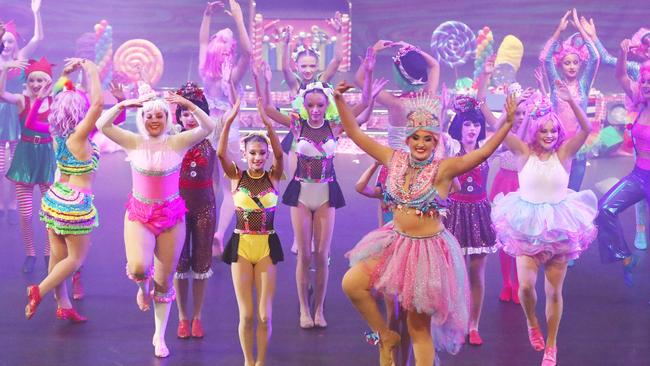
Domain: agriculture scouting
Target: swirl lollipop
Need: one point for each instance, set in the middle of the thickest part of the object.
(139, 59)
(453, 43)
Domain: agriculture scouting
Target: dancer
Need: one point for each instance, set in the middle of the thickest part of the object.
(67, 208)
(640, 47)
(218, 66)
(377, 190)
(200, 220)
(389, 259)
(9, 120)
(633, 187)
(469, 213)
(576, 65)
(254, 249)
(154, 230)
(545, 223)
(33, 163)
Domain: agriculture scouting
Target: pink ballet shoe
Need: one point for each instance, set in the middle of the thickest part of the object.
(475, 338)
(550, 356)
(70, 314)
(197, 329)
(34, 298)
(506, 294)
(183, 330)
(77, 286)
(536, 338)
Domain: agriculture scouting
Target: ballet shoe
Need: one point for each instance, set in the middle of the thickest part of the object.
(183, 331)
(319, 321)
(475, 338)
(506, 294)
(628, 269)
(77, 286)
(70, 314)
(640, 241)
(28, 264)
(34, 298)
(536, 338)
(143, 300)
(160, 349)
(550, 356)
(388, 340)
(515, 296)
(197, 328)
(306, 322)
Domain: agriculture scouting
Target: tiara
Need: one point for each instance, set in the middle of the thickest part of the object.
(465, 103)
(300, 49)
(423, 111)
(190, 90)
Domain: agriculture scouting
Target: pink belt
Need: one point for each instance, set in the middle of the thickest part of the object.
(36, 139)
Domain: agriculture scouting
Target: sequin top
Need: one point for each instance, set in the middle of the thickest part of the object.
(315, 148)
(421, 195)
(472, 183)
(155, 169)
(197, 166)
(255, 202)
(69, 165)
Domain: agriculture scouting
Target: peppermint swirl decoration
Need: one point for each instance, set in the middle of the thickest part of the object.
(453, 43)
(138, 59)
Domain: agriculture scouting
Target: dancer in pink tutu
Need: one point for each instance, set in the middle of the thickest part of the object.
(414, 258)
(545, 223)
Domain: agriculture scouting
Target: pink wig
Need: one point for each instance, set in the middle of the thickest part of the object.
(68, 109)
(567, 48)
(539, 112)
(638, 102)
(637, 46)
(216, 54)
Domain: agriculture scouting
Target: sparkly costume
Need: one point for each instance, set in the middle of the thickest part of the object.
(287, 142)
(67, 209)
(469, 213)
(200, 220)
(34, 161)
(155, 200)
(544, 219)
(254, 237)
(631, 189)
(580, 93)
(426, 274)
(314, 182)
(9, 120)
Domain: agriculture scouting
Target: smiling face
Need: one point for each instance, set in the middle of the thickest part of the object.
(571, 66)
(470, 131)
(316, 105)
(256, 152)
(307, 66)
(644, 85)
(36, 81)
(547, 135)
(421, 144)
(10, 44)
(155, 122)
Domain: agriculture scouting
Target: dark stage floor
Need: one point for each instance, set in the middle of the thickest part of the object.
(604, 322)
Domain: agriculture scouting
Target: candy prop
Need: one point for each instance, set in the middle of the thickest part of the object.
(139, 59)
(508, 61)
(484, 49)
(453, 43)
(104, 51)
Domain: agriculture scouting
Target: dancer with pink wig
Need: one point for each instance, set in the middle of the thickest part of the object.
(219, 65)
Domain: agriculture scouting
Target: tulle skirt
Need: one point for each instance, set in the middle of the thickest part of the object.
(546, 230)
(427, 275)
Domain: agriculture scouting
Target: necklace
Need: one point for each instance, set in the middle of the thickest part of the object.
(419, 164)
(254, 177)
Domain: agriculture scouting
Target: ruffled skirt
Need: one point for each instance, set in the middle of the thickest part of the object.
(67, 210)
(562, 230)
(427, 275)
(156, 217)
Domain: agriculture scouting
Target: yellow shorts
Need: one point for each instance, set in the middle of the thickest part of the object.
(253, 247)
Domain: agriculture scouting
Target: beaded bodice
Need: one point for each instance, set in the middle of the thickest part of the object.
(68, 164)
(420, 194)
(315, 148)
(255, 202)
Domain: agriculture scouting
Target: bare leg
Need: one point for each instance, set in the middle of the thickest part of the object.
(182, 293)
(139, 244)
(323, 229)
(301, 220)
(506, 268)
(242, 279)
(265, 279)
(198, 294)
(527, 272)
(476, 269)
(396, 319)
(419, 326)
(555, 272)
(225, 211)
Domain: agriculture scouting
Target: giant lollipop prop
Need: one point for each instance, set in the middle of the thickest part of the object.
(453, 43)
(139, 60)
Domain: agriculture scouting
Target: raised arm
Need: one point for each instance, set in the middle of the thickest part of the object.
(571, 146)
(120, 136)
(229, 166)
(278, 160)
(378, 151)
(289, 77)
(186, 139)
(204, 30)
(363, 186)
(621, 74)
(87, 125)
(262, 76)
(5, 96)
(384, 98)
(546, 56)
(333, 65)
(38, 36)
(245, 47)
(455, 166)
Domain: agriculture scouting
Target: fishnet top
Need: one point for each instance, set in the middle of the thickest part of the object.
(317, 168)
(258, 220)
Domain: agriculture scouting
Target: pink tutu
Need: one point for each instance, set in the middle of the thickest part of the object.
(156, 217)
(505, 181)
(560, 230)
(427, 275)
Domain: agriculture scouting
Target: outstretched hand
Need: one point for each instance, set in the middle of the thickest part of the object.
(588, 26)
(562, 90)
(336, 22)
(117, 90)
(136, 102)
(564, 22)
(511, 108)
(341, 88)
(625, 45)
(382, 44)
(377, 86)
(262, 113)
(15, 64)
(371, 58)
(213, 6)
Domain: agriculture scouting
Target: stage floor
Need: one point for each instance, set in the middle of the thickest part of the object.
(604, 322)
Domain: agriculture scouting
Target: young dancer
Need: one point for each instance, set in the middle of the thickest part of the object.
(545, 223)
(219, 65)
(154, 228)
(254, 249)
(33, 163)
(633, 187)
(414, 258)
(67, 208)
(469, 213)
(9, 120)
(200, 220)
